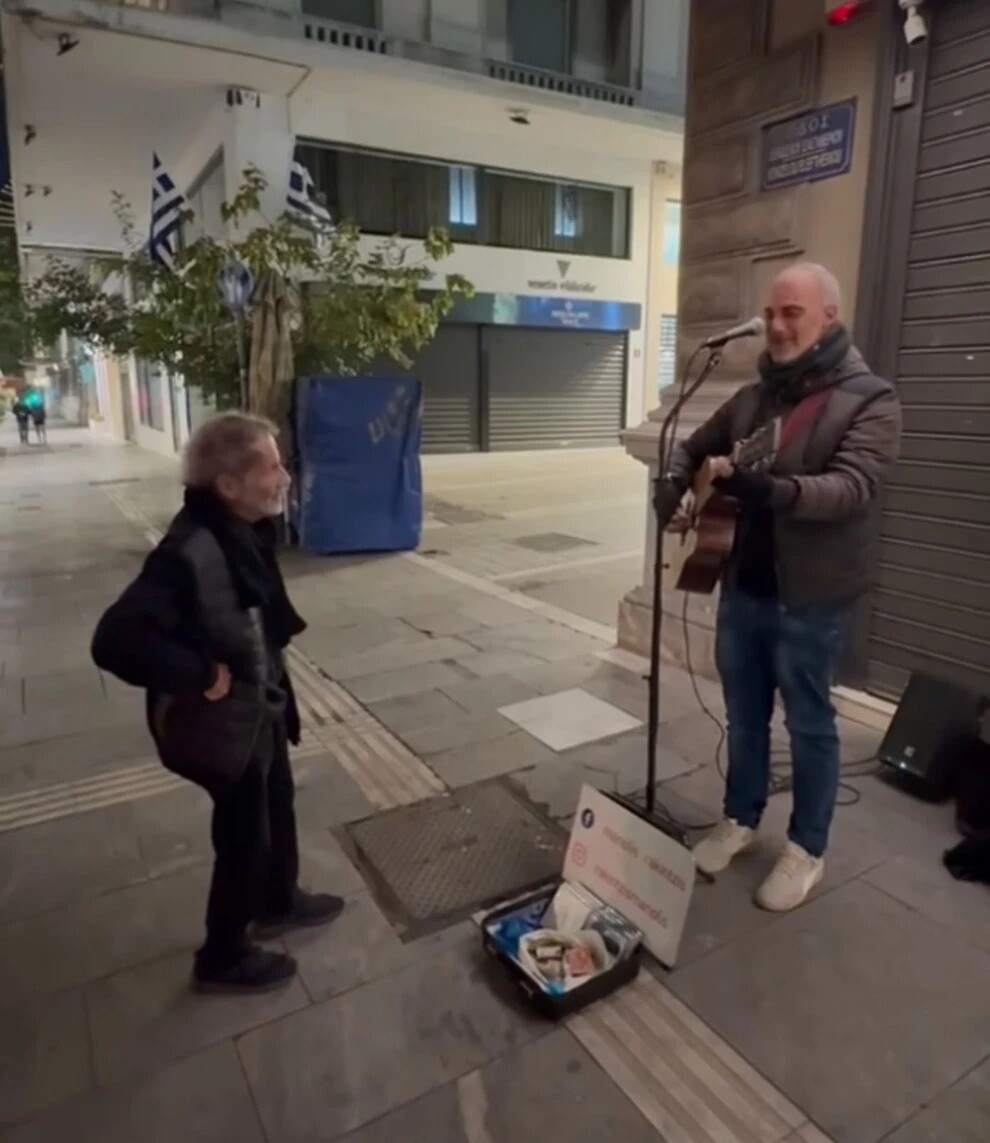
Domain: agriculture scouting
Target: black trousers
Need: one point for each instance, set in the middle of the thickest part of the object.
(256, 869)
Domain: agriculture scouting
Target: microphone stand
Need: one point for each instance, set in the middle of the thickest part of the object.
(662, 820)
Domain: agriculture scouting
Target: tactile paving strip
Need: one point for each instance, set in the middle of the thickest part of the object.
(445, 858)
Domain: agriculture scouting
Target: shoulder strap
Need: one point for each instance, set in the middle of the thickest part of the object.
(802, 417)
(866, 385)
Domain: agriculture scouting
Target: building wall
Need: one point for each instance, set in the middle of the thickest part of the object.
(259, 137)
(100, 111)
(752, 63)
(664, 51)
(662, 281)
(652, 55)
(159, 440)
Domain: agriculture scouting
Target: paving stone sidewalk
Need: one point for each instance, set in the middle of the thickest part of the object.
(866, 1012)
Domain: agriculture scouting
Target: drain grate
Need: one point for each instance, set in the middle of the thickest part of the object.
(552, 542)
(438, 862)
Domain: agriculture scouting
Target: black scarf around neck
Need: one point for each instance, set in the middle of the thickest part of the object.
(792, 381)
(249, 550)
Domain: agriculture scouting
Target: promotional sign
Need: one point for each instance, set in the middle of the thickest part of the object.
(548, 312)
(809, 147)
(633, 867)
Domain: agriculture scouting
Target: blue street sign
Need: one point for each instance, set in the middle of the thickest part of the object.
(809, 147)
(234, 285)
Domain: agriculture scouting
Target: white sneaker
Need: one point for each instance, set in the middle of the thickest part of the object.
(791, 880)
(727, 840)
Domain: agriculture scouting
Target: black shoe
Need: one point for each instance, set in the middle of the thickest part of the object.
(308, 911)
(258, 970)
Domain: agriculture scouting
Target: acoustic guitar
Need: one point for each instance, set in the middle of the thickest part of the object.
(700, 537)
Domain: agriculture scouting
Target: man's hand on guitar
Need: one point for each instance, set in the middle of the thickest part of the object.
(721, 467)
(752, 488)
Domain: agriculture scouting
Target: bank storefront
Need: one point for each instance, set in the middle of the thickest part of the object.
(515, 372)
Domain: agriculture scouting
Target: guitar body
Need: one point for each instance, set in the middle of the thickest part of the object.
(699, 542)
(699, 539)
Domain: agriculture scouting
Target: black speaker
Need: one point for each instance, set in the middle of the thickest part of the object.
(935, 724)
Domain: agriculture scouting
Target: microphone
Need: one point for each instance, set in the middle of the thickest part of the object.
(755, 327)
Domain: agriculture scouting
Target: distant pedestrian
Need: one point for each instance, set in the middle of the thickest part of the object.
(39, 417)
(203, 628)
(22, 415)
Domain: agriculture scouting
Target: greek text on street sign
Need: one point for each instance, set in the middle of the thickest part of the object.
(809, 147)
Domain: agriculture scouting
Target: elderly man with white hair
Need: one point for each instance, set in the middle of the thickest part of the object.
(802, 556)
(203, 629)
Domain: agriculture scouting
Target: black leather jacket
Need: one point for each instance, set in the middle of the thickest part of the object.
(178, 620)
(824, 537)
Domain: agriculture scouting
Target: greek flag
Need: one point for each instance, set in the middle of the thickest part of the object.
(167, 205)
(301, 198)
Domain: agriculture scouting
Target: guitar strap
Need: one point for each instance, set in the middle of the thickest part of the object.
(803, 416)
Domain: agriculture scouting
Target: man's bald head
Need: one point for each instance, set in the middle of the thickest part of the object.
(804, 301)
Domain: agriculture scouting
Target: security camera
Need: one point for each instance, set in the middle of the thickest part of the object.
(915, 28)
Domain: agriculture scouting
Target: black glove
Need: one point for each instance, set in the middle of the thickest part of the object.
(667, 497)
(754, 488)
(757, 489)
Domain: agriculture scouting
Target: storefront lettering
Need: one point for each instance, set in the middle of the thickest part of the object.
(570, 286)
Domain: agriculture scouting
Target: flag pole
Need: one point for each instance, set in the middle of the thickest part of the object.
(241, 358)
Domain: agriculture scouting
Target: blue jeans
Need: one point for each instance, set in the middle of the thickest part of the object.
(762, 647)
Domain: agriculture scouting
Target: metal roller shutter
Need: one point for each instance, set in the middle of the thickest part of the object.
(449, 370)
(931, 610)
(554, 388)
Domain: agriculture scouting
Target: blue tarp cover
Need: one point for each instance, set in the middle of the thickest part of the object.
(359, 485)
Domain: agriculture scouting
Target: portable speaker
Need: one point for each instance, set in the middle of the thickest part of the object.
(934, 726)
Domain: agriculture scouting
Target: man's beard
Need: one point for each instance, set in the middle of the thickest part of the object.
(276, 507)
(784, 353)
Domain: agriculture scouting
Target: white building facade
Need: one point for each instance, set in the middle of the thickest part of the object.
(546, 135)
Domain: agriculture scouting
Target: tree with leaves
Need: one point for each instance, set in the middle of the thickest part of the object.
(15, 334)
(350, 307)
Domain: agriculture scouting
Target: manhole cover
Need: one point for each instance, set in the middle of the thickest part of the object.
(436, 863)
(552, 542)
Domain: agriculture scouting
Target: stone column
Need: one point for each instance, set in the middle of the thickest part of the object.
(258, 134)
(751, 63)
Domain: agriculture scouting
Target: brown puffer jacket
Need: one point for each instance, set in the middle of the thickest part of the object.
(824, 538)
